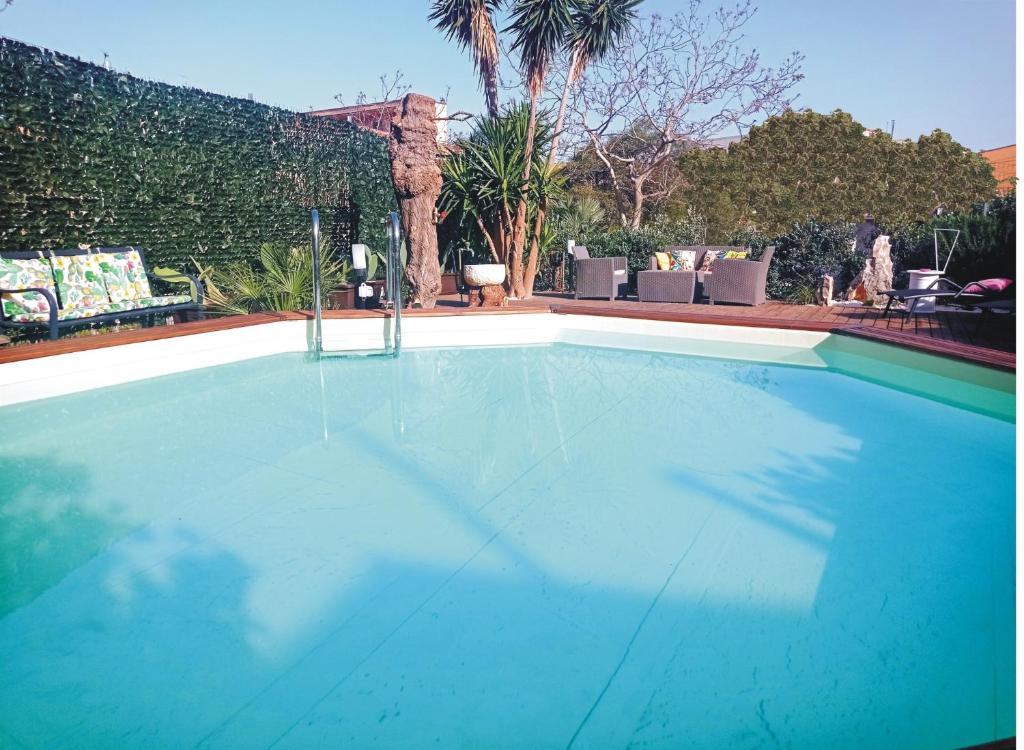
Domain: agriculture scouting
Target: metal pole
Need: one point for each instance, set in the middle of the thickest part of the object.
(318, 340)
(395, 275)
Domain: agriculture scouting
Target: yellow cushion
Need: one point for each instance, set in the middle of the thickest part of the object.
(736, 255)
(664, 261)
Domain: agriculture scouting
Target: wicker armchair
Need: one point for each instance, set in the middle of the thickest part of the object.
(599, 277)
(739, 281)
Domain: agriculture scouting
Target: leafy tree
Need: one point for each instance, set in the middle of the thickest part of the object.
(806, 165)
(542, 33)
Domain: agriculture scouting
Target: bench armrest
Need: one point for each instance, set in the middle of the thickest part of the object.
(51, 301)
(193, 281)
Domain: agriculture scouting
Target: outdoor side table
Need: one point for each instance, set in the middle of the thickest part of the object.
(666, 286)
(923, 279)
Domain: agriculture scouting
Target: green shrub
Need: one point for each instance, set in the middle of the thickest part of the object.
(985, 249)
(803, 255)
(636, 245)
(282, 279)
(811, 249)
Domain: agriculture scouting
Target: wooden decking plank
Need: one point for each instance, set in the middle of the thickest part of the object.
(943, 329)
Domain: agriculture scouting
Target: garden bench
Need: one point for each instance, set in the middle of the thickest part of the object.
(59, 289)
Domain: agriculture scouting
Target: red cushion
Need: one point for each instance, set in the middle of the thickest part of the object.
(988, 285)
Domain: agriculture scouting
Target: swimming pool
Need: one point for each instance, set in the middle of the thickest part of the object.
(533, 546)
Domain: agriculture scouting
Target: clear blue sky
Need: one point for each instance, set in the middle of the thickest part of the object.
(925, 64)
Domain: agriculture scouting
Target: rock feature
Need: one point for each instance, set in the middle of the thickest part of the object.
(492, 295)
(876, 275)
(416, 173)
(823, 294)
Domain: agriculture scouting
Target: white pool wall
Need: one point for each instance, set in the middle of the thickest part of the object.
(61, 374)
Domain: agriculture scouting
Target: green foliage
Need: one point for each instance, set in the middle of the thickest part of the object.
(482, 181)
(985, 249)
(802, 165)
(282, 279)
(95, 157)
(811, 249)
(804, 254)
(637, 245)
(577, 216)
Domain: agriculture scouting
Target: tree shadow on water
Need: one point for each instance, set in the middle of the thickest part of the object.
(44, 533)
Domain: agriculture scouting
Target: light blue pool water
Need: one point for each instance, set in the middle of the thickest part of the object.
(488, 548)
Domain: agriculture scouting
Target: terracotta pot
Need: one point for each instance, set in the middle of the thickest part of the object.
(449, 283)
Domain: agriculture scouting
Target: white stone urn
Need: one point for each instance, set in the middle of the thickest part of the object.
(484, 274)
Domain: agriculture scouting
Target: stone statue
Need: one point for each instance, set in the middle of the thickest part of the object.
(876, 276)
(823, 294)
(865, 235)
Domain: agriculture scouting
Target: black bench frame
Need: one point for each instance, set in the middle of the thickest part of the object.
(148, 314)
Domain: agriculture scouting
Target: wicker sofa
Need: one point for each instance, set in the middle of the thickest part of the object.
(606, 278)
(676, 286)
(740, 281)
(58, 289)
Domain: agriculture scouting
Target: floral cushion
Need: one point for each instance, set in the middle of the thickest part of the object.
(69, 313)
(124, 275)
(169, 299)
(710, 257)
(18, 273)
(79, 281)
(683, 260)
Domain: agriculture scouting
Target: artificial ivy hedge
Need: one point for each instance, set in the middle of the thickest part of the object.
(94, 157)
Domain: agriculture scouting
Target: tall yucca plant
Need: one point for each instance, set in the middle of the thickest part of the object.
(470, 24)
(539, 29)
(596, 26)
(483, 178)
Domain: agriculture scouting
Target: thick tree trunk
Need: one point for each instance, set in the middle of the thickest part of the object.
(515, 285)
(538, 224)
(638, 204)
(491, 94)
(416, 173)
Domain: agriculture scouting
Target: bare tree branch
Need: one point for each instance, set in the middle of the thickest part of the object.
(673, 83)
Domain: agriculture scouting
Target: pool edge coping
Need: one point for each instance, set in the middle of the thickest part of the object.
(975, 355)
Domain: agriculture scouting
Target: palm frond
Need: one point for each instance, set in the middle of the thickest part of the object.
(597, 26)
(539, 29)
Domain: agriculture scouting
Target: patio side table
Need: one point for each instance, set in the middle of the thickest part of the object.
(666, 286)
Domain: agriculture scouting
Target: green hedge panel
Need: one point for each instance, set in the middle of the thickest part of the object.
(95, 157)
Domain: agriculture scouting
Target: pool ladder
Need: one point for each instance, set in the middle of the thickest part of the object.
(393, 282)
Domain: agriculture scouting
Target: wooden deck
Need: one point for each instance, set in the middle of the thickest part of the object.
(950, 334)
(999, 332)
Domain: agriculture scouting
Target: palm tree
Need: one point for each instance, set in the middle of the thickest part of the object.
(540, 28)
(470, 24)
(596, 27)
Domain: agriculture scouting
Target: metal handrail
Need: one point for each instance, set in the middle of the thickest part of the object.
(395, 276)
(394, 283)
(318, 339)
